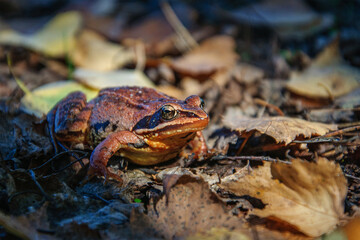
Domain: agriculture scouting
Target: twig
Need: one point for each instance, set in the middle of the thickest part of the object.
(23, 192)
(33, 177)
(62, 169)
(178, 27)
(350, 124)
(352, 177)
(140, 56)
(246, 138)
(319, 140)
(327, 89)
(338, 132)
(269, 105)
(250, 158)
(58, 155)
(96, 196)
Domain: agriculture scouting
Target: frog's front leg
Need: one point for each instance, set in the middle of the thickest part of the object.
(114, 142)
(198, 145)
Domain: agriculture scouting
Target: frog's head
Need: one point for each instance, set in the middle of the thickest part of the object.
(174, 119)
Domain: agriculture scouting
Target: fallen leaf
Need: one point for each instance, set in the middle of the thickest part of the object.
(291, 19)
(93, 52)
(246, 73)
(192, 208)
(172, 91)
(218, 233)
(156, 32)
(22, 138)
(44, 98)
(309, 196)
(114, 213)
(124, 77)
(212, 55)
(56, 39)
(25, 227)
(282, 129)
(328, 76)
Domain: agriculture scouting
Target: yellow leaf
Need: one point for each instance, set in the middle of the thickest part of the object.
(328, 76)
(309, 196)
(212, 55)
(55, 39)
(42, 99)
(99, 80)
(93, 52)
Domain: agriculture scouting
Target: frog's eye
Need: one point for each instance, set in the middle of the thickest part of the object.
(202, 103)
(168, 112)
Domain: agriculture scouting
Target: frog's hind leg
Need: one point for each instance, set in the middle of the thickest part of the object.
(68, 120)
(118, 141)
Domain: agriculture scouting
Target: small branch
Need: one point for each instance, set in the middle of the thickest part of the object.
(140, 56)
(250, 158)
(33, 177)
(58, 155)
(178, 27)
(62, 169)
(352, 177)
(12, 196)
(269, 105)
(341, 131)
(327, 89)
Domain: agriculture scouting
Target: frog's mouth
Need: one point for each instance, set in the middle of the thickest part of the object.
(173, 128)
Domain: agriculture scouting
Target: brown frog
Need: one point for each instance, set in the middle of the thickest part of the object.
(141, 124)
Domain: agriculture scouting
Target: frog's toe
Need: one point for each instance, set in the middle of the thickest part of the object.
(108, 174)
(102, 172)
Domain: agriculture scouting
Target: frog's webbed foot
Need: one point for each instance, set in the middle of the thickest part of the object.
(102, 172)
(199, 147)
(115, 142)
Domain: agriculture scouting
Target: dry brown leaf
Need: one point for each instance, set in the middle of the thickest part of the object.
(92, 51)
(290, 19)
(172, 91)
(214, 54)
(42, 99)
(123, 77)
(282, 129)
(154, 31)
(192, 208)
(328, 76)
(246, 73)
(55, 39)
(25, 227)
(309, 196)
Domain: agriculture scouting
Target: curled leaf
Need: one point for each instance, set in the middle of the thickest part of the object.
(55, 39)
(282, 129)
(328, 76)
(309, 196)
(92, 51)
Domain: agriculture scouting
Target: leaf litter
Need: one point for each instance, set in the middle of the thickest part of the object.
(284, 189)
(310, 196)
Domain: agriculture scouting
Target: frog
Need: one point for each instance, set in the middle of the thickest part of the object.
(141, 124)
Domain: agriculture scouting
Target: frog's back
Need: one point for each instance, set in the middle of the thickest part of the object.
(118, 109)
